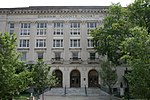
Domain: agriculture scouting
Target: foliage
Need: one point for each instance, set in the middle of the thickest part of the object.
(114, 30)
(13, 75)
(139, 13)
(137, 49)
(42, 78)
(108, 74)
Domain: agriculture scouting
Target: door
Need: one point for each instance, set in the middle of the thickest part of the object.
(93, 78)
(75, 78)
(59, 76)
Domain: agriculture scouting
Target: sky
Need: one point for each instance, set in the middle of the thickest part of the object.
(27, 3)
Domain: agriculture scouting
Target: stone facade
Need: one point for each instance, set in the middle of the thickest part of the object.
(59, 36)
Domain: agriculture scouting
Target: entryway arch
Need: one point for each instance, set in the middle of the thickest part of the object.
(93, 78)
(59, 76)
(75, 78)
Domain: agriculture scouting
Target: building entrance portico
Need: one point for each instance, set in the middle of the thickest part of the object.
(75, 78)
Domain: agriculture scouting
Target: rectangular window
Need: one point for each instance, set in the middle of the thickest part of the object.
(92, 56)
(75, 28)
(11, 32)
(40, 55)
(57, 56)
(40, 42)
(24, 43)
(58, 43)
(25, 29)
(75, 43)
(90, 26)
(90, 43)
(75, 55)
(58, 28)
(41, 28)
(11, 25)
(23, 56)
(58, 25)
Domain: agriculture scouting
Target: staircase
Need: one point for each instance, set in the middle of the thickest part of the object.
(75, 92)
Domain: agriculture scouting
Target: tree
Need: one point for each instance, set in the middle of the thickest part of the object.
(114, 30)
(137, 50)
(42, 78)
(13, 75)
(139, 13)
(108, 75)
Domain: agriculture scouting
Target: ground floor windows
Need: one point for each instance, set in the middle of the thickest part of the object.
(75, 78)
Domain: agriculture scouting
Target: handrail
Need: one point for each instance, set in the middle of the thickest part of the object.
(65, 90)
(85, 90)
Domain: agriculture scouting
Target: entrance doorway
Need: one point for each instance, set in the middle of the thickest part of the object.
(59, 76)
(93, 78)
(75, 78)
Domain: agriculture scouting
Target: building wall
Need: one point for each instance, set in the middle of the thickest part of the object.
(82, 15)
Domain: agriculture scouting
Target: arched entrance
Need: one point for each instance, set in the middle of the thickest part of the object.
(75, 78)
(59, 76)
(93, 78)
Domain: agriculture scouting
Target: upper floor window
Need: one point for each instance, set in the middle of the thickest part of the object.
(75, 55)
(40, 42)
(41, 28)
(25, 29)
(24, 43)
(90, 43)
(40, 55)
(75, 28)
(23, 56)
(74, 42)
(11, 25)
(92, 56)
(91, 25)
(57, 55)
(58, 25)
(41, 25)
(58, 43)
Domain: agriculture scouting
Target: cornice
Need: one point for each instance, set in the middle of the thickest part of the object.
(51, 11)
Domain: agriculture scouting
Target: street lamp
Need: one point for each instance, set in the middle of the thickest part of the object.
(126, 72)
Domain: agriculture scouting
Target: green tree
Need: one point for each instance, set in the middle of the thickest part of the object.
(114, 30)
(42, 78)
(108, 75)
(137, 50)
(13, 75)
(139, 13)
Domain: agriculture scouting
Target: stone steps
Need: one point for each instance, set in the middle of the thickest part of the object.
(75, 92)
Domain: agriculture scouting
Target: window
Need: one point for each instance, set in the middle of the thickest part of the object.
(75, 55)
(23, 56)
(92, 56)
(75, 28)
(58, 43)
(90, 26)
(75, 43)
(58, 28)
(90, 43)
(58, 25)
(24, 43)
(12, 25)
(11, 32)
(57, 56)
(40, 42)
(25, 29)
(40, 55)
(41, 28)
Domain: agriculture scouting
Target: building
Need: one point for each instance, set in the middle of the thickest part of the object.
(60, 36)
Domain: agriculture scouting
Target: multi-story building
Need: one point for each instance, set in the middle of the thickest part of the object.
(60, 36)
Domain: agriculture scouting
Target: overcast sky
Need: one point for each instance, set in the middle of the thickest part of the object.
(27, 3)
